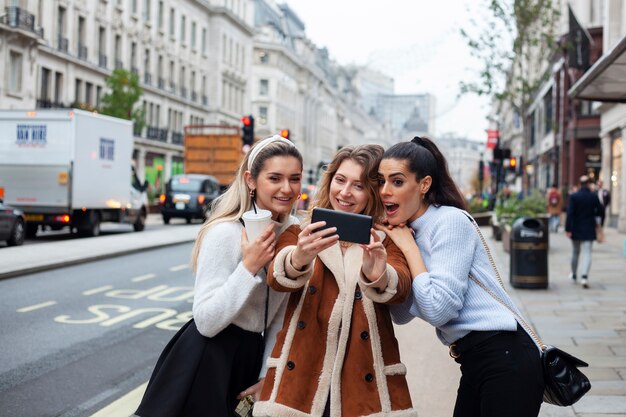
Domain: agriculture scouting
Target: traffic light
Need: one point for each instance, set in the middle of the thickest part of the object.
(247, 130)
(285, 133)
(511, 165)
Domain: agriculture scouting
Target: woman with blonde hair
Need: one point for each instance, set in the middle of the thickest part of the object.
(217, 357)
(336, 353)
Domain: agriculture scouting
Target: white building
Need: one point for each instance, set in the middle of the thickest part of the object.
(191, 58)
(463, 156)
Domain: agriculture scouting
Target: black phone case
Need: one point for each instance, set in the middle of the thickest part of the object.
(351, 227)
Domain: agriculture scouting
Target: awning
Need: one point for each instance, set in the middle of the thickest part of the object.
(606, 79)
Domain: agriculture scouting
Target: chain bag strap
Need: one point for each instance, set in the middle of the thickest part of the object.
(564, 382)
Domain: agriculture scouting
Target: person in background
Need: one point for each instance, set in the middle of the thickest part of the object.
(337, 354)
(554, 205)
(604, 196)
(218, 356)
(583, 216)
(501, 372)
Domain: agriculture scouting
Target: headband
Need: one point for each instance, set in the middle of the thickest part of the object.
(256, 150)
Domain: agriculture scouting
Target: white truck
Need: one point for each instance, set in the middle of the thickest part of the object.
(70, 168)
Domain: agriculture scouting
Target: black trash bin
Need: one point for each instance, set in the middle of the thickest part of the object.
(529, 253)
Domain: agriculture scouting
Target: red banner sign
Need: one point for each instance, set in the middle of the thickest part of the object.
(492, 138)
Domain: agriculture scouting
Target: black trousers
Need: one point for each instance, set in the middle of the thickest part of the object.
(501, 376)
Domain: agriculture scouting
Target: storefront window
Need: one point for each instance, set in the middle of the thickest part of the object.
(617, 150)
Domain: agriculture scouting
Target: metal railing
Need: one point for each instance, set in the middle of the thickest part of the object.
(19, 18)
(205, 100)
(156, 133)
(147, 78)
(177, 138)
(44, 103)
(134, 70)
(63, 44)
(161, 83)
(194, 96)
(119, 64)
(183, 92)
(82, 52)
(102, 60)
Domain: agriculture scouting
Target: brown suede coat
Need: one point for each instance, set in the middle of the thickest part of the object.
(337, 339)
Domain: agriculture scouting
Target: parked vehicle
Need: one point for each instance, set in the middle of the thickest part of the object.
(70, 168)
(188, 196)
(213, 150)
(12, 223)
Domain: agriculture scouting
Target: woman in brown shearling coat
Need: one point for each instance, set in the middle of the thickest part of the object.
(336, 354)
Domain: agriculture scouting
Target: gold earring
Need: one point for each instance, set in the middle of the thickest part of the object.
(252, 193)
(299, 196)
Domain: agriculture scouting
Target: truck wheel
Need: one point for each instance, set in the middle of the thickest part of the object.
(17, 235)
(166, 219)
(140, 223)
(90, 227)
(31, 230)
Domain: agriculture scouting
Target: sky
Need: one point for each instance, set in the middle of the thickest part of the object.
(417, 42)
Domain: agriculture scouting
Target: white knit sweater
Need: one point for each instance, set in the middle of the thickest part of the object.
(227, 293)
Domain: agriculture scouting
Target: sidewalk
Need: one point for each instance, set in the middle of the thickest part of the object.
(19, 260)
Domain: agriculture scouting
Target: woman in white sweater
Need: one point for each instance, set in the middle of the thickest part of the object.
(217, 357)
(500, 363)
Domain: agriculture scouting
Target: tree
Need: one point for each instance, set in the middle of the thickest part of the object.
(124, 93)
(514, 45)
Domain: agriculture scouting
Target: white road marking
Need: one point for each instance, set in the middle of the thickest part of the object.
(36, 307)
(143, 277)
(97, 290)
(124, 406)
(179, 267)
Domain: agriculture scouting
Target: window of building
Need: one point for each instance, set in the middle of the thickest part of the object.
(88, 93)
(617, 153)
(547, 104)
(102, 46)
(44, 93)
(160, 15)
(78, 86)
(172, 22)
(203, 40)
(58, 87)
(183, 29)
(61, 16)
(263, 87)
(80, 33)
(263, 115)
(118, 51)
(264, 57)
(98, 96)
(15, 75)
(133, 6)
(193, 35)
(146, 10)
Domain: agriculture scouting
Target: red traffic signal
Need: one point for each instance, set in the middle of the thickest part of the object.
(246, 121)
(513, 163)
(285, 133)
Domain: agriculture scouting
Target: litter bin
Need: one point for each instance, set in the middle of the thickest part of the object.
(529, 253)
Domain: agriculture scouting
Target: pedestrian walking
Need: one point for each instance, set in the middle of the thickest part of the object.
(454, 280)
(216, 358)
(337, 354)
(604, 196)
(554, 205)
(583, 219)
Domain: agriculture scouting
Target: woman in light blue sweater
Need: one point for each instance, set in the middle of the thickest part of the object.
(500, 363)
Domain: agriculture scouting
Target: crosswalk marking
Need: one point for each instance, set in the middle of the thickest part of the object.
(179, 267)
(97, 290)
(36, 307)
(143, 277)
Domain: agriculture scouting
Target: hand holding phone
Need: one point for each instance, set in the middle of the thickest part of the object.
(312, 240)
(351, 227)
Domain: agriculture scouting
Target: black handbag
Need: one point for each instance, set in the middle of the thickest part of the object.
(564, 382)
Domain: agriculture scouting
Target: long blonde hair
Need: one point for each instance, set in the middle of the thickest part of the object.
(368, 157)
(231, 205)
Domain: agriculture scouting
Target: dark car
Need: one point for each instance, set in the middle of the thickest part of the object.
(12, 223)
(188, 196)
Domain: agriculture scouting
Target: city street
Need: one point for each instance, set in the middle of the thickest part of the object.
(77, 336)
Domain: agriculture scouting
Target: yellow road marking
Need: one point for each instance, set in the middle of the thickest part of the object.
(179, 267)
(36, 307)
(143, 277)
(125, 406)
(97, 290)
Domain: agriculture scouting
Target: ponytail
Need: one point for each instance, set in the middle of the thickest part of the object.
(424, 159)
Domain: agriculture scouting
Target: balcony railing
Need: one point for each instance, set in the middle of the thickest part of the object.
(19, 18)
(134, 70)
(102, 61)
(44, 103)
(156, 133)
(183, 92)
(147, 78)
(177, 138)
(82, 52)
(172, 88)
(119, 64)
(161, 83)
(205, 100)
(194, 96)
(62, 44)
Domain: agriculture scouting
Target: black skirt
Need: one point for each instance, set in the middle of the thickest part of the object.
(202, 376)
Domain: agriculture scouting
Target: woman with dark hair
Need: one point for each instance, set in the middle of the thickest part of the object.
(336, 354)
(455, 285)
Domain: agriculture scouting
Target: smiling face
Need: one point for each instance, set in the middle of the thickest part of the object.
(347, 191)
(401, 193)
(278, 184)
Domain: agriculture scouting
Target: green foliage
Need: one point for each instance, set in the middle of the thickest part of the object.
(509, 209)
(124, 93)
(478, 205)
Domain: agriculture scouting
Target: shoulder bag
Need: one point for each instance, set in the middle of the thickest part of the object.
(564, 382)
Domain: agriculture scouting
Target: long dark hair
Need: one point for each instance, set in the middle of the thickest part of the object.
(424, 158)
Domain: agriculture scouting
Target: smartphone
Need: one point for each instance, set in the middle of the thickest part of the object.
(351, 227)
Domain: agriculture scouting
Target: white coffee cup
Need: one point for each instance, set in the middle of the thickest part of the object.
(256, 223)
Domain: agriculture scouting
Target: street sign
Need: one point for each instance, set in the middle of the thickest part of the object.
(492, 138)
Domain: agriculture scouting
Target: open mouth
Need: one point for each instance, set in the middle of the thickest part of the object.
(283, 200)
(391, 208)
(344, 204)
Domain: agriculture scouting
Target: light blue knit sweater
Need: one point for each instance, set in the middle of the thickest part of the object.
(445, 296)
